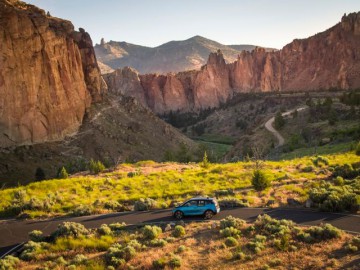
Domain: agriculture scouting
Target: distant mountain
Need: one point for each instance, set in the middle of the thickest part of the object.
(173, 56)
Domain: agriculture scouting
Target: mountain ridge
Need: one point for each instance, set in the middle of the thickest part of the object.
(172, 56)
(330, 59)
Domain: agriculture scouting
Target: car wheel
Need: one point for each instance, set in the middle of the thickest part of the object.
(179, 215)
(208, 214)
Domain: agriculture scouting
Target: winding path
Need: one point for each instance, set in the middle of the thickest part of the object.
(269, 126)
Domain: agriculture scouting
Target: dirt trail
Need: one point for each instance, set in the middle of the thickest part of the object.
(269, 126)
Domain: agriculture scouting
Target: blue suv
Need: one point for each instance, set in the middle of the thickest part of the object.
(197, 206)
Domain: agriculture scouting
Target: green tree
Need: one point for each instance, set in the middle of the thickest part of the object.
(259, 180)
(39, 174)
(96, 166)
(63, 174)
(205, 162)
(294, 114)
(279, 121)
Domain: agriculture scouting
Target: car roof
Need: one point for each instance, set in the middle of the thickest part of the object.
(201, 198)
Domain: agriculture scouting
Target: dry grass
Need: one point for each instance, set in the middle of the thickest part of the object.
(205, 250)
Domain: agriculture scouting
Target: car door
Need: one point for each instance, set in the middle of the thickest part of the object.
(200, 207)
(190, 208)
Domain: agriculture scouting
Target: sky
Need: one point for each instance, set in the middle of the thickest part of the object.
(267, 23)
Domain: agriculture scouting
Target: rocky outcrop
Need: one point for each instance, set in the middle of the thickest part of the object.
(173, 56)
(330, 59)
(48, 75)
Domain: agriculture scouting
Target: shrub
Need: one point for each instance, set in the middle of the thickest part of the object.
(145, 204)
(353, 245)
(181, 249)
(231, 221)
(260, 181)
(151, 232)
(104, 230)
(179, 231)
(175, 262)
(68, 229)
(63, 174)
(283, 243)
(79, 259)
(158, 242)
(135, 244)
(205, 163)
(230, 231)
(308, 169)
(116, 227)
(117, 254)
(266, 225)
(231, 242)
(9, 263)
(279, 121)
(257, 244)
(96, 166)
(319, 233)
(114, 205)
(275, 262)
(239, 256)
(159, 263)
(36, 236)
(319, 160)
(339, 181)
(335, 198)
(81, 210)
(346, 171)
(30, 250)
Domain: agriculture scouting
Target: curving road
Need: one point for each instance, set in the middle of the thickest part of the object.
(269, 126)
(13, 232)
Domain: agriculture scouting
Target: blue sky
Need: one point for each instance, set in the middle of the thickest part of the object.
(268, 23)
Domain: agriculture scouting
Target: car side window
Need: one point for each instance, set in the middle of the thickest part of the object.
(193, 203)
(201, 203)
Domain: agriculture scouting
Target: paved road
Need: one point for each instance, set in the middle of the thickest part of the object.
(13, 232)
(269, 126)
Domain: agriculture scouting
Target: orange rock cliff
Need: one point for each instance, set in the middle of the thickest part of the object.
(330, 59)
(48, 75)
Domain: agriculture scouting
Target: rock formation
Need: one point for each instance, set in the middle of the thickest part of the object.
(330, 59)
(173, 56)
(48, 75)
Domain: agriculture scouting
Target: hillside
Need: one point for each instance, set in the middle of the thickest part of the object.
(124, 187)
(231, 243)
(56, 110)
(327, 60)
(174, 56)
(238, 125)
(115, 130)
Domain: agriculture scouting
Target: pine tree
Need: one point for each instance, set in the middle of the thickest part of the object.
(279, 121)
(63, 173)
(205, 162)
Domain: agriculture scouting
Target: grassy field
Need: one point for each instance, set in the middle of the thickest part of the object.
(167, 183)
(319, 150)
(228, 244)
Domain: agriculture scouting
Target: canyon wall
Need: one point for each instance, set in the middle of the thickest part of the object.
(330, 59)
(48, 75)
